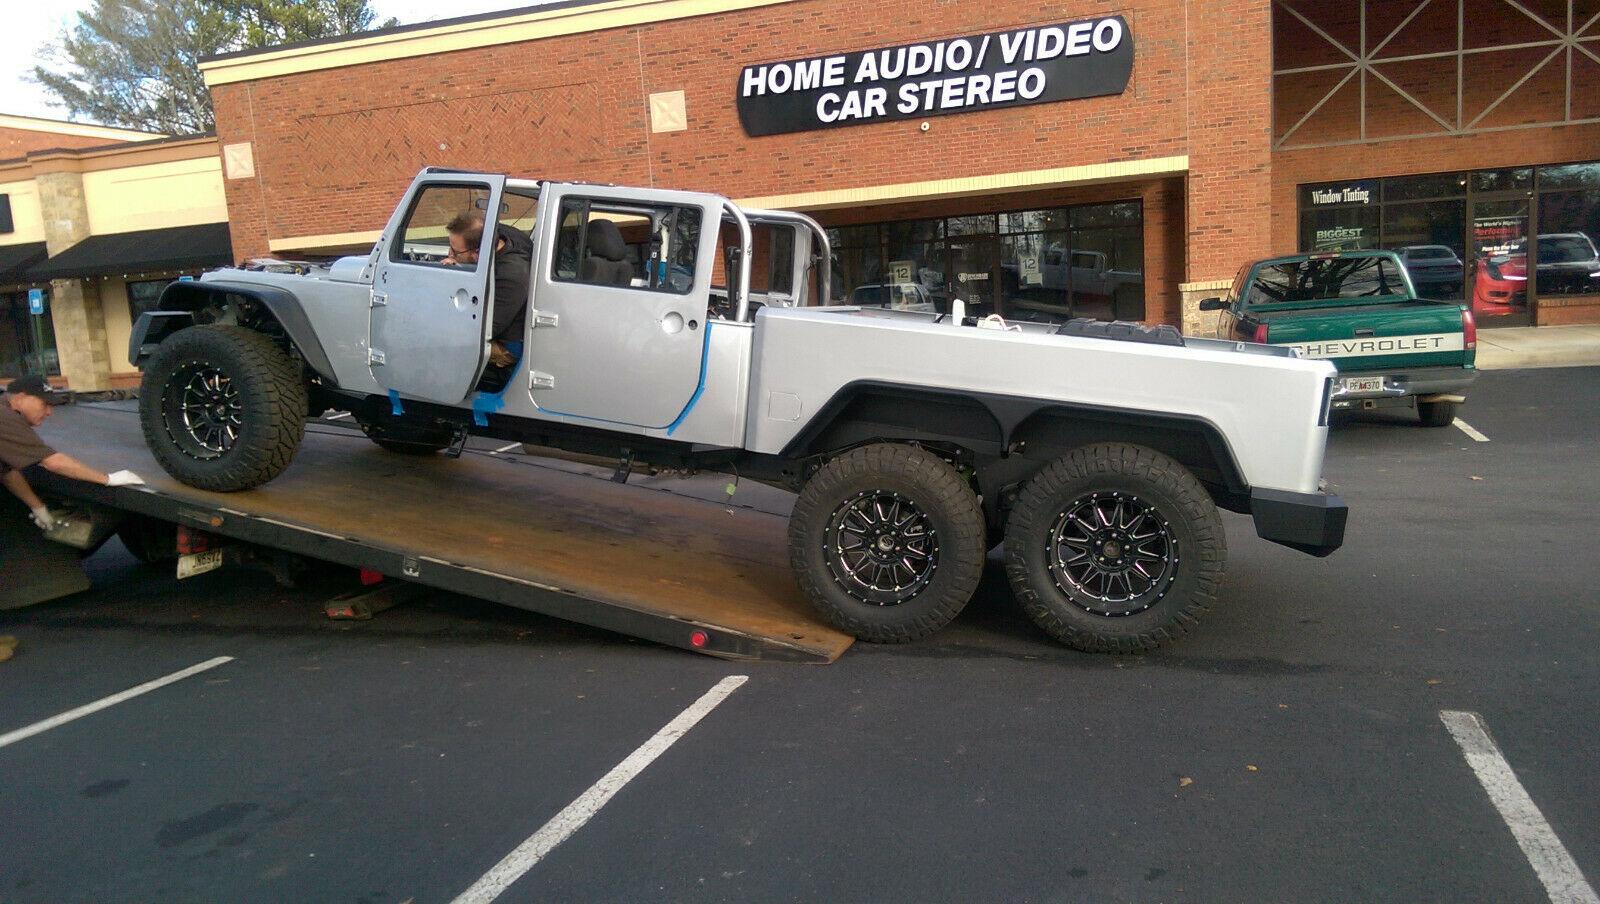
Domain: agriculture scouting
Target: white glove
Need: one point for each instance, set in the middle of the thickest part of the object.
(124, 479)
(42, 517)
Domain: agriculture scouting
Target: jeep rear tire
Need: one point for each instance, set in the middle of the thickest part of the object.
(1436, 414)
(887, 541)
(1115, 548)
(223, 408)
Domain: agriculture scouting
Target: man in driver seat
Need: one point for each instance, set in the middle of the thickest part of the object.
(513, 268)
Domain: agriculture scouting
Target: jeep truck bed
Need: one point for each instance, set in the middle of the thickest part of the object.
(647, 563)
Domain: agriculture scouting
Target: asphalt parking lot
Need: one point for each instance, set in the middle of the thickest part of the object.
(1292, 750)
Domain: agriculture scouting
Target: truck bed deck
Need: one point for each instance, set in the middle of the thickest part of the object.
(642, 562)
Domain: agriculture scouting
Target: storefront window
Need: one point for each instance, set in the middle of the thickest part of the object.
(1421, 188)
(1467, 235)
(1049, 264)
(1570, 175)
(1339, 229)
(1569, 229)
(144, 295)
(914, 274)
(1428, 237)
(27, 343)
(1519, 179)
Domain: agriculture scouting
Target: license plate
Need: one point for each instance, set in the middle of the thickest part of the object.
(1363, 384)
(199, 563)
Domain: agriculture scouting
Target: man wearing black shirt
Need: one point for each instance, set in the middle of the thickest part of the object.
(513, 268)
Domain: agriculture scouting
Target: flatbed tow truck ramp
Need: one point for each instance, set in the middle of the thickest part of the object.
(651, 564)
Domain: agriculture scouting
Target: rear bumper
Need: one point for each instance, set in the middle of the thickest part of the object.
(1401, 383)
(1312, 523)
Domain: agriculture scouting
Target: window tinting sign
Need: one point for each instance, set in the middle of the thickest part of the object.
(1351, 193)
(35, 301)
(1072, 60)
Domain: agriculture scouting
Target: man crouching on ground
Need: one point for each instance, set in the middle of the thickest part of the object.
(27, 402)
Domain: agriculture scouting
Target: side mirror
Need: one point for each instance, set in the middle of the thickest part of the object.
(1213, 304)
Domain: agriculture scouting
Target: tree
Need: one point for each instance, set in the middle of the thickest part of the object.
(135, 63)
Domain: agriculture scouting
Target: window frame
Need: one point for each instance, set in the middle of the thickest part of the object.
(397, 246)
(658, 213)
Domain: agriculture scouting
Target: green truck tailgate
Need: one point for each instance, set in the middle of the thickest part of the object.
(1365, 337)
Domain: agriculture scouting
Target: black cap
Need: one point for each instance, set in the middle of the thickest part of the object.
(34, 385)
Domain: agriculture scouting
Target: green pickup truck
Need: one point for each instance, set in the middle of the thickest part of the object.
(1359, 310)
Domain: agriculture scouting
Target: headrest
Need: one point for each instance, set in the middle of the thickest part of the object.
(605, 241)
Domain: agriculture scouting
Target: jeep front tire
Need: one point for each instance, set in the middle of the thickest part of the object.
(888, 542)
(1115, 548)
(223, 408)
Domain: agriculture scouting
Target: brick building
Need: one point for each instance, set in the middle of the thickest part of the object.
(94, 222)
(1243, 128)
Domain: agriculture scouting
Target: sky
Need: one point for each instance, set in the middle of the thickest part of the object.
(30, 26)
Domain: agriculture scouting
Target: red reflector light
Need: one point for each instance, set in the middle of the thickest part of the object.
(370, 577)
(698, 639)
(191, 541)
(1261, 333)
(1469, 329)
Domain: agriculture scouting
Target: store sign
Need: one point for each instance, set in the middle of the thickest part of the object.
(1339, 238)
(1499, 235)
(1353, 193)
(1088, 58)
(36, 301)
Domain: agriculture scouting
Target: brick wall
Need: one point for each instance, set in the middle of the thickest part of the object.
(334, 149)
(16, 143)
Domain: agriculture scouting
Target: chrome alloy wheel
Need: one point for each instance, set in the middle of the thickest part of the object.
(881, 548)
(204, 412)
(1111, 553)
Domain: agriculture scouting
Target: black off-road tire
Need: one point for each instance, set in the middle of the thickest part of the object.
(942, 506)
(1179, 511)
(271, 395)
(1437, 414)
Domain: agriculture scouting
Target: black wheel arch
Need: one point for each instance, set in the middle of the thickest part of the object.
(273, 310)
(1009, 438)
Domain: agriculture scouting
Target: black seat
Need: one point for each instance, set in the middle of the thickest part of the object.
(604, 257)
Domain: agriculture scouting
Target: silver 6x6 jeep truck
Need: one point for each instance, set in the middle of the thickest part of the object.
(916, 440)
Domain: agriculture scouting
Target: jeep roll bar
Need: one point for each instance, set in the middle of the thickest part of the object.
(821, 251)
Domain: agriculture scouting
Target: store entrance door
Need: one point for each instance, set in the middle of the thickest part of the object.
(974, 274)
(1500, 278)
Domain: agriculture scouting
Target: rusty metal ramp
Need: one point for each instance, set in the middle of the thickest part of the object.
(651, 564)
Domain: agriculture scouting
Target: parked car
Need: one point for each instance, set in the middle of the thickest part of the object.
(1569, 264)
(1359, 310)
(894, 296)
(1435, 270)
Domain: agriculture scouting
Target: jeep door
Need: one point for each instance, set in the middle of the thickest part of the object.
(430, 315)
(621, 288)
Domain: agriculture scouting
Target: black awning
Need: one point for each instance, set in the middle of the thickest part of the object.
(16, 259)
(149, 250)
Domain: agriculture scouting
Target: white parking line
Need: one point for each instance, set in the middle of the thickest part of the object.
(106, 702)
(1467, 428)
(506, 448)
(563, 824)
(1562, 879)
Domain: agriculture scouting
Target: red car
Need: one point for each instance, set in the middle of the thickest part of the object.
(1500, 285)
